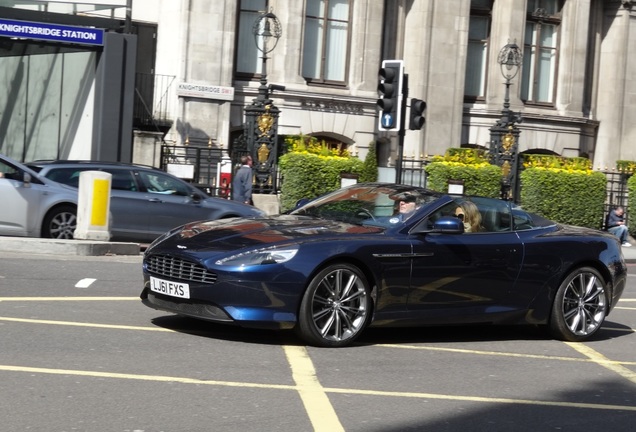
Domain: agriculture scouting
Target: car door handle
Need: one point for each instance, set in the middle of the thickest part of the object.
(155, 200)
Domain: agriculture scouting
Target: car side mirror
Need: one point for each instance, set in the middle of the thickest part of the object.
(196, 198)
(26, 178)
(448, 225)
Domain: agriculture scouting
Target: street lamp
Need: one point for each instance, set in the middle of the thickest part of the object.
(509, 60)
(267, 31)
(260, 131)
(504, 135)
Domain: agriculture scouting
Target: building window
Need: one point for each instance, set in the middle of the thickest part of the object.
(326, 43)
(540, 51)
(478, 39)
(248, 57)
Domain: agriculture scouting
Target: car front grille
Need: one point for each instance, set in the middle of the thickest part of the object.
(177, 268)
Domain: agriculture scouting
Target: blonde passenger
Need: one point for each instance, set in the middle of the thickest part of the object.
(469, 214)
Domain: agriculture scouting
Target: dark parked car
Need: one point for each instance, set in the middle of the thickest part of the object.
(356, 258)
(146, 202)
(34, 206)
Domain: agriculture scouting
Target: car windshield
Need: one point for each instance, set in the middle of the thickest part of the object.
(373, 204)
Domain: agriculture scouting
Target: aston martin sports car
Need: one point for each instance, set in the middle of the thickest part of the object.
(387, 255)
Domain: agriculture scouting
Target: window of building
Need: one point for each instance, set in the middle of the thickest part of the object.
(540, 51)
(248, 57)
(478, 39)
(326, 43)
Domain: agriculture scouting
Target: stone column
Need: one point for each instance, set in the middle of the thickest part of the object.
(616, 99)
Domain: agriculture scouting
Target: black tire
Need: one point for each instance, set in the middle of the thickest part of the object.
(336, 307)
(60, 222)
(580, 305)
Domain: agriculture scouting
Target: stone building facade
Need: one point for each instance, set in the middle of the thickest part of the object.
(576, 90)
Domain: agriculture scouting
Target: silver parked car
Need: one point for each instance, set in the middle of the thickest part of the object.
(146, 202)
(34, 206)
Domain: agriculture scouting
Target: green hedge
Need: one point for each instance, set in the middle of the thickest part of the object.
(567, 196)
(631, 207)
(482, 179)
(369, 172)
(308, 175)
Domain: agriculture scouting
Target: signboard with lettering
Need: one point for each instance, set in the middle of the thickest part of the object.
(51, 32)
(205, 91)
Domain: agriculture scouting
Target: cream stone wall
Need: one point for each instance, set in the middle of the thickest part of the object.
(593, 113)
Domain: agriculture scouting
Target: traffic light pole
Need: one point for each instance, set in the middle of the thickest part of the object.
(402, 130)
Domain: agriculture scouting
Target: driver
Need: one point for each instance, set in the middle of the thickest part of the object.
(407, 204)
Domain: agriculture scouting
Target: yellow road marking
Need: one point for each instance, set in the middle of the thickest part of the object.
(184, 380)
(599, 358)
(624, 308)
(410, 347)
(626, 330)
(319, 409)
(157, 378)
(80, 324)
(502, 354)
(45, 299)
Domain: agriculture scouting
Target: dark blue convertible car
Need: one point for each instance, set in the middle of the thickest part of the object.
(387, 255)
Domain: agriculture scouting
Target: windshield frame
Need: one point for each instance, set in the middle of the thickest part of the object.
(375, 204)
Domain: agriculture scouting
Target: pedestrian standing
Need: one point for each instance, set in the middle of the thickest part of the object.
(242, 182)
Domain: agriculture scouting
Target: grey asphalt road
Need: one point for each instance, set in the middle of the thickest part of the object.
(78, 352)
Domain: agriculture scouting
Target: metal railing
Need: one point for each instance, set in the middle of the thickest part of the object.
(151, 104)
(196, 163)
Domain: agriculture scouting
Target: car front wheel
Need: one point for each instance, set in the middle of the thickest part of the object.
(60, 223)
(336, 307)
(580, 305)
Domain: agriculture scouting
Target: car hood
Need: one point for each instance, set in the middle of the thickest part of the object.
(239, 233)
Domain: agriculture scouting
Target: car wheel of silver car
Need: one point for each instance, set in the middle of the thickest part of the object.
(580, 305)
(60, 223)
(336, 307)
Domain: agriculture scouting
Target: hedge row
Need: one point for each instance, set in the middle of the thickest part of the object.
(565, 190)
(311, 168)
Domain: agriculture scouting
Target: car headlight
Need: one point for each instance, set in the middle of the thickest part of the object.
(260, 256)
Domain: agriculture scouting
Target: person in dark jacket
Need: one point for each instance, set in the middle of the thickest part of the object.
(616, 225)
(242, 182)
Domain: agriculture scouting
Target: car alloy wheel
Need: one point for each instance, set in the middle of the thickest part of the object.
(60, 223)
(336, 306)
(580, 305)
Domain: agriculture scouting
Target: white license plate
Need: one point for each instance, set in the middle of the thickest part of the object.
(174, 289)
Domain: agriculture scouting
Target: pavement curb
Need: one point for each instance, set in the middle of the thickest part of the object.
(67, 247)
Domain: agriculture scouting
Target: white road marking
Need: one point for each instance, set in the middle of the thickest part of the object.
(85, 283)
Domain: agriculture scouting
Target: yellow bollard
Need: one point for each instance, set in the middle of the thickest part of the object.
(93, 206)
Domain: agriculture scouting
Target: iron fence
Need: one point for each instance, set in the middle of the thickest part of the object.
(195, 163)
(414, 174)
(199, 160)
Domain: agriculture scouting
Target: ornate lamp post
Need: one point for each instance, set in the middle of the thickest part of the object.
(260, 133)
(504, 135)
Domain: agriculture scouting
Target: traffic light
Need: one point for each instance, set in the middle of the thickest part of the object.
(390, 92)
(417, 119)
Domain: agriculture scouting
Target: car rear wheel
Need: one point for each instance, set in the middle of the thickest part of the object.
(580, 305)
(60, 223)
(336, 307)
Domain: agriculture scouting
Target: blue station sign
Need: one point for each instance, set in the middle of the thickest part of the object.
(51, 32)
